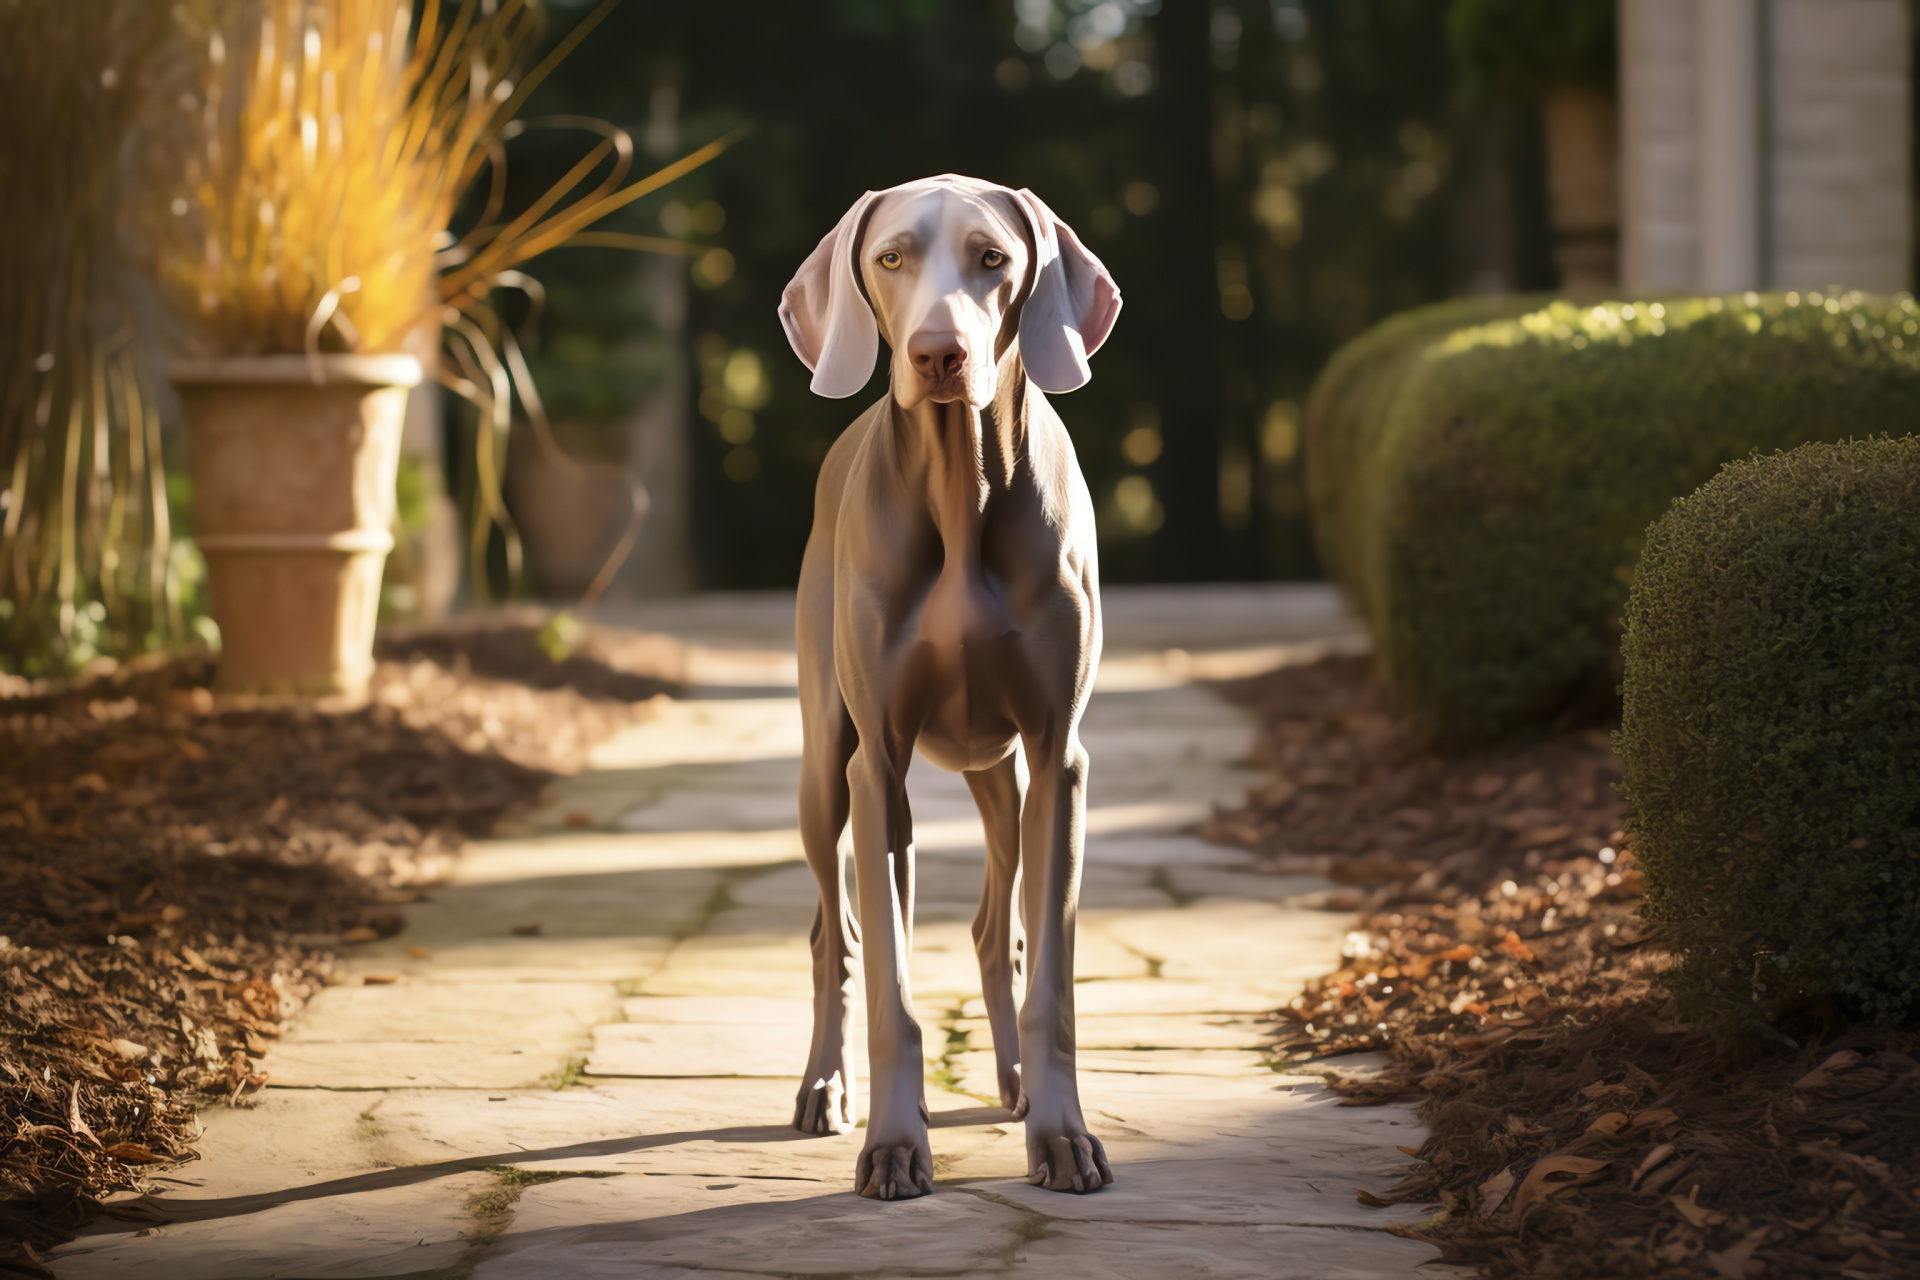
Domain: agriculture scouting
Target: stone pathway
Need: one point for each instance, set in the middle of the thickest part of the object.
(579, 1057)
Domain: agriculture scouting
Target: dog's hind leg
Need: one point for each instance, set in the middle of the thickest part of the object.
(827, 1102)
(998, 791)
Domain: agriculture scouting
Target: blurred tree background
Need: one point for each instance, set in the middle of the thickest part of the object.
(1264, 178)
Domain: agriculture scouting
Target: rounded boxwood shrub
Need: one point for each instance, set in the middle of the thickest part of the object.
(1771, 728)
(1482, 489)
(1348, 404)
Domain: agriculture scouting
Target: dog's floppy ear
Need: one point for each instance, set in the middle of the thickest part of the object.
(826, 314)
(1072, 307)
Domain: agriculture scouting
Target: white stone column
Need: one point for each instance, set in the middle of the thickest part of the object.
(1730, 121)
(1659, 147)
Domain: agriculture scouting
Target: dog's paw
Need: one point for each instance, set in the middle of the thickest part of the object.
(1068, 1162)
(824, 1106)
(895, 1173)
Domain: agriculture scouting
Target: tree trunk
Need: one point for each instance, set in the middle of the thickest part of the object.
(1188, 546)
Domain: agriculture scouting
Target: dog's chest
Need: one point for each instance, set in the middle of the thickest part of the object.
(967, 661)
(956, 668)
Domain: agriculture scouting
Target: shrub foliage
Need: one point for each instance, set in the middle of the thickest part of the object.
(1772, 728)
(1523, 48)
(1481, 486)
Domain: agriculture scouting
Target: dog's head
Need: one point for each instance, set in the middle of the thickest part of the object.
(952, 270)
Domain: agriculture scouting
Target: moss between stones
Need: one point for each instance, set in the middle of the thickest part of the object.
(1772, 729)
(1481, 482)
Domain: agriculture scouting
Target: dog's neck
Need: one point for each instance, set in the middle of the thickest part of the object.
(964, 456)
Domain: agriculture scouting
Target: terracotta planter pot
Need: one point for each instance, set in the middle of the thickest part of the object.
(1582, 128)
(571, 515)
(293, 482)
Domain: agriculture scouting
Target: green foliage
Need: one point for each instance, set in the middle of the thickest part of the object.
(1482, 491)
(1772, 729)
(559, 637)
(1260, 199)
(1520, 49)
(600, 354)
(84, 559)
(418, 488)
(1348, 405)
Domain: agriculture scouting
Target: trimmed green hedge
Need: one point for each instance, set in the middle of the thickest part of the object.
(1481, 483)
(1772, 729)
(1348, 406)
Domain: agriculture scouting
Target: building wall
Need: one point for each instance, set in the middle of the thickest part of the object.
(1660, 152)
(1832, 186)
(1841, 183)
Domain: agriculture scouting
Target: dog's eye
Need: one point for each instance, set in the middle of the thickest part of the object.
(890, 260)
(992, 259)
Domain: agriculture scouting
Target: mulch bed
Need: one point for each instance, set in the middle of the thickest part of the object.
(1499, 959)
(177, 869)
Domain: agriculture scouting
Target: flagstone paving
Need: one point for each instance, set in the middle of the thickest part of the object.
(579, 1057)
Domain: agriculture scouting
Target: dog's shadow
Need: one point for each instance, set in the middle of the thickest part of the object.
(148, 1211)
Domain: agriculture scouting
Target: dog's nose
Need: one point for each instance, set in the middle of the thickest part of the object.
(937, 355)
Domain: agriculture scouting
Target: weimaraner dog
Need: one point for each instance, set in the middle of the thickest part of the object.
(950, 602)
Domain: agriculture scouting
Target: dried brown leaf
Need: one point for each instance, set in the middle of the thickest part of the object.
(1693, 1211)
(1736, 1262)
(1650, 1162)
(1610, 1125)
(133, 1153)
(1492, 1193)
(1512, 945)
(1653, 1120)
(1554, 1174)
(1837, 1064)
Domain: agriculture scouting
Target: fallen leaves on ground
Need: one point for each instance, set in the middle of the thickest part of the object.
(178, 869)
(1500, 960)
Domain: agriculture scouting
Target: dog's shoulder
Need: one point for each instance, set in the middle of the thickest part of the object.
(842, 455)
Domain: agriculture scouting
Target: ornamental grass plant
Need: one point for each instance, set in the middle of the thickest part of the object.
(334, 143)
(1772, 731)
(346, 192)
(85, 536)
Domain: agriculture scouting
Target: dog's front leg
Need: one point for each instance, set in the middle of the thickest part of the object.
(1061, 1154)
(896, 1162)
(997, 791)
